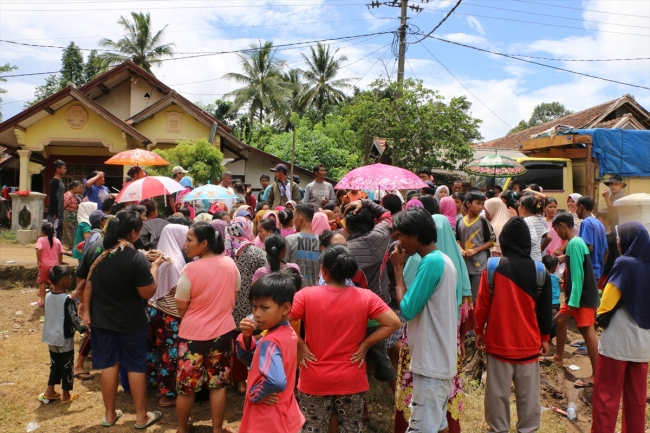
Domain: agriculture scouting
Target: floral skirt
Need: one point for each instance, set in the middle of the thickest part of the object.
(162, 355)
(69, 228)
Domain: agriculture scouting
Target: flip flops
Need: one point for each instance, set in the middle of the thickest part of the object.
(43, 399)
(582, 350)
(155, 417)
(72, 398)
(84, 376)
(583, 384)
(577, 343)
(118, 415)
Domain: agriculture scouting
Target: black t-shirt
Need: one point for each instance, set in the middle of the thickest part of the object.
(57, 189)
(116, 304)
(613, 253)
(168, 210)
(94, 251)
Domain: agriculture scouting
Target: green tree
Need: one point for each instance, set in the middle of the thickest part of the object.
(92, 67)
(140, 44)
(542, 113)
(72, 66)
(50, 87)
(4, 69)
(321, 84)
(314, 146)
(201, 158)
(420, 128)
(265, 91)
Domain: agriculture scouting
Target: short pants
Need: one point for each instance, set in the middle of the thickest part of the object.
(384, 371)
(317, 410)
(584, 316)
(202, 362)
(429, 404)
(43, 274)
(111, 347)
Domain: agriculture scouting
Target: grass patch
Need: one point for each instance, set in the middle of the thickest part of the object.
(8, 236)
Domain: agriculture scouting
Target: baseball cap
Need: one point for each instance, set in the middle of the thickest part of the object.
(179, 169)
(244, 213)
(280, 167)
(296, 178)
(95, 217)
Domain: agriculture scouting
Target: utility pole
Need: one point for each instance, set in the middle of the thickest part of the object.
(402, 42)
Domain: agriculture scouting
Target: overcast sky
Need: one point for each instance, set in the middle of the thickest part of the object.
(503, 91)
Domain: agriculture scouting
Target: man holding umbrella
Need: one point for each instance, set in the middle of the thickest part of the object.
(282, 189)
(178, 173)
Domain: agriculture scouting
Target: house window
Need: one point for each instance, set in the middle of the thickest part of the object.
(174, 121)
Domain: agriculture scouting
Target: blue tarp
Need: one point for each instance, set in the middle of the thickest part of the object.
(620, 151)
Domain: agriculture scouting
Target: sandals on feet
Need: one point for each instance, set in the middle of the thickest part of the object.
(72, 398)
(84, 376)
(580, 383)
(155, 417)
(118, 415)
(43, 399)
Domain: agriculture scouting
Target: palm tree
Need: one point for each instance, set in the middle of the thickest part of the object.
(139, 44)
(265, 90)
(321, 85)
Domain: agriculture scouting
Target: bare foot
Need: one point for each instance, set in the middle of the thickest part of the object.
(165, 401)
(553, 359)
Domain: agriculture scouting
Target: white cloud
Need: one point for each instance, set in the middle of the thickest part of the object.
(476, 25)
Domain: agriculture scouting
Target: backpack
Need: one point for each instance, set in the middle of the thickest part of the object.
(493, 264)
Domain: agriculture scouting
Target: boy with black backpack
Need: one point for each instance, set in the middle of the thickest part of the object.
(513, 323)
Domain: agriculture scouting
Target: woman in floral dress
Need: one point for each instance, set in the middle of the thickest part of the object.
(71, 200)
(447, 244)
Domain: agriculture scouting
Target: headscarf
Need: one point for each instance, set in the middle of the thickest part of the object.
(246, 208)
(292, 203)
(319, 223)
(258, 217)
(205, 217)
(516, 247)
(84, 210)
(440, 188)
(447, 244)
(575, 196)
(500, 216)
(220, 226)
(218, 206)
(274, 214)
(413, 203)
(279, 209)
(239, 233)
(631, 271)
(186, 181)
(448, 209)
(172, 240)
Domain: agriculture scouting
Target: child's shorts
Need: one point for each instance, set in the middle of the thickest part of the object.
(201, 362)
(43, 274)
(584, 316)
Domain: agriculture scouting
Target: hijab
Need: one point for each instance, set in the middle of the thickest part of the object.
(292, 203)
(205, 217)
(239, 233)
(631, 271)
(274, 214)
(500, 216)
(413, 203)
(84, 210)
(440, 188)
(220, 226)
(516, 246)
(448, 209)
(171, 243)
(258, 217)
(575, 196)
(446, 243)
(319, 223)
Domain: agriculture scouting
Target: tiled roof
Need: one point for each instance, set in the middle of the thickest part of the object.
(581, 119)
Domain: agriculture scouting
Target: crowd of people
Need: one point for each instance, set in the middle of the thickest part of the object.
(296, 290)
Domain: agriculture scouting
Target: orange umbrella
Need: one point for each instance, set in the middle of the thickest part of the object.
(136, 157)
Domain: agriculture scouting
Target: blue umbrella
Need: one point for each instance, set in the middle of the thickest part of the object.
(210, 192)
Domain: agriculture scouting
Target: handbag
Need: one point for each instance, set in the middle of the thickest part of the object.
(603, 320)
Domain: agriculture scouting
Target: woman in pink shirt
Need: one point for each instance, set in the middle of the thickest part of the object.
(205, 296)
(334, 379)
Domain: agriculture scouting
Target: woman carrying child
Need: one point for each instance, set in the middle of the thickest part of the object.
(333, 378)
(49, 252)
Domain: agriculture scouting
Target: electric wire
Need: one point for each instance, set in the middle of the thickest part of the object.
(451, 11)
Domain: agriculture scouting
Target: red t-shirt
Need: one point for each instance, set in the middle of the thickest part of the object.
(335, 324)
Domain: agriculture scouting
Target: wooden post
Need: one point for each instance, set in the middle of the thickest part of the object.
(293, 154)
(591, 178)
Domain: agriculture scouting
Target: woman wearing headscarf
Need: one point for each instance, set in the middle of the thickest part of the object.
(497, 213)
(271, 214)
(319, 223)
(519, 314)
(164, 319)
(441, 191)
(204, 217)
(446, 243)
(624, 346)
(258, 217)
(83, 226)
(413, 203)
(572, 206)
(248, 258)
(448, 210)
(291, 205)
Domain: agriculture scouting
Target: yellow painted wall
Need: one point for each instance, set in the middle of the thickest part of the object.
(118, 100)
(81, 151)
(156, 127)
(56, 126)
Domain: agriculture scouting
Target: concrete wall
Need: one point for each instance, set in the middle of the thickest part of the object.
(139, 87)
(156, 128)
(117, 101)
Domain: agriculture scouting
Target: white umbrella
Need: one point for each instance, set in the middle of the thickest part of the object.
(147, 187)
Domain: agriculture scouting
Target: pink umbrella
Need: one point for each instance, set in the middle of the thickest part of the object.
(380, 177)
(150, 186)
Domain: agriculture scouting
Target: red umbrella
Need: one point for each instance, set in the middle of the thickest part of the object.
(136, 157)
(380, 177)
(150, 186)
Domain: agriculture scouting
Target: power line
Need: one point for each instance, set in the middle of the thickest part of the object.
(539, 64)
(546, 15)
(580, 9)
(451, 11)
(27, 75)
(374, 64)
(544, 24)
(212, 28)
(298, 5)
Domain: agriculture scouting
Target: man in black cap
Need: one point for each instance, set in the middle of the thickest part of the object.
(283, 189)
(614, 191)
